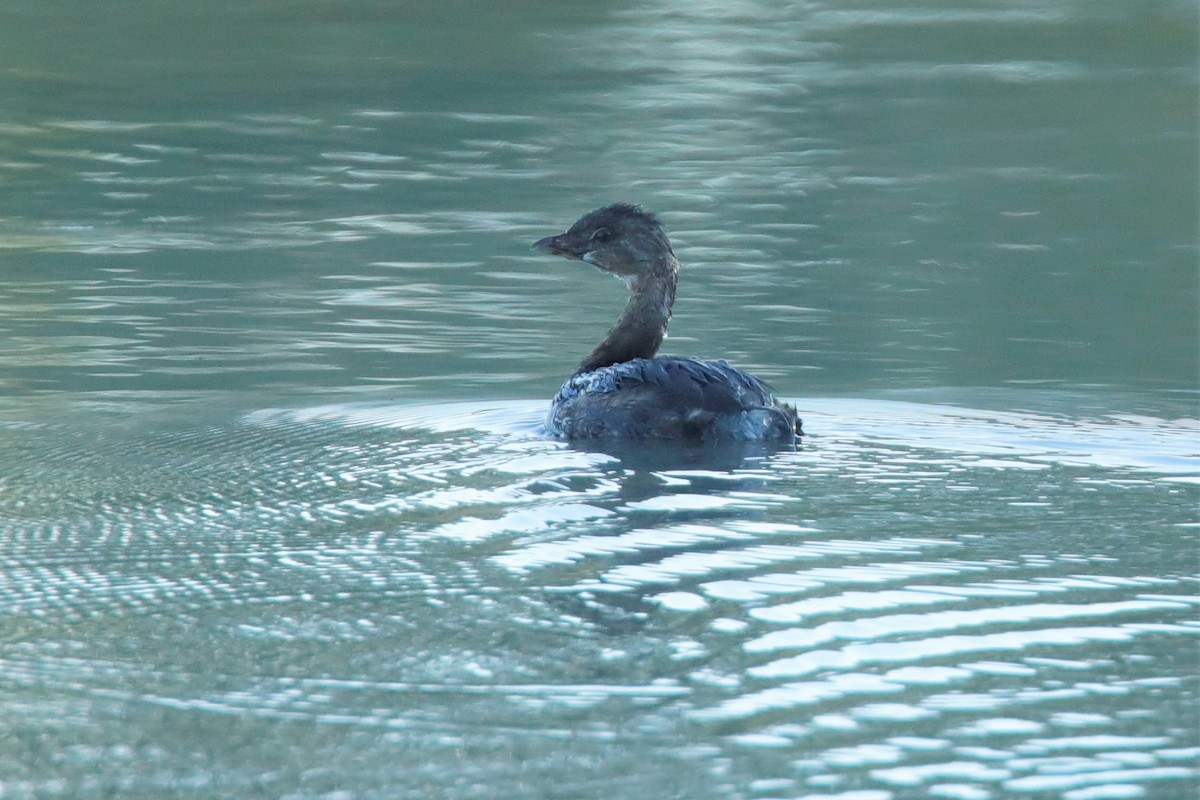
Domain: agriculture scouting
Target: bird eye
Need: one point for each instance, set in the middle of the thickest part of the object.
(601, 235)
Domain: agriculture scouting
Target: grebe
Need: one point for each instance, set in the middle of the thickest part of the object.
(622, 390)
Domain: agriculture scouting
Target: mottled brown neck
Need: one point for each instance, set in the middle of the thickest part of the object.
(643, 324)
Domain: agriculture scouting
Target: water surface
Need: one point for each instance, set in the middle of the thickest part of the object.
(276, 517)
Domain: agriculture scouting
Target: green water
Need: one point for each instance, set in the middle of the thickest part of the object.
(276, 518)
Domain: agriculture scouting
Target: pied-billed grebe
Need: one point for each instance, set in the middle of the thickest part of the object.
(621, 390)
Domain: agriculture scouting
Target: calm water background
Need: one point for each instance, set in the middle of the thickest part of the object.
(275, 517)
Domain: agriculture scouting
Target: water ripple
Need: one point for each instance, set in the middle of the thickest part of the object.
(491, 585)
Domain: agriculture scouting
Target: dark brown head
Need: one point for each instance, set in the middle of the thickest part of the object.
(620, 239)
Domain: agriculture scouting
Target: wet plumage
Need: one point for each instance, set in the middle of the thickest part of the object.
(621, 389)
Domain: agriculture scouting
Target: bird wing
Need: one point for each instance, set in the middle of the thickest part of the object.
(683, 382)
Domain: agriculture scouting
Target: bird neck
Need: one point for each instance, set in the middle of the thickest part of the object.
(643, 324)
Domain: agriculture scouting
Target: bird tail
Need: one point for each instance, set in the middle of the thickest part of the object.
(776, 423)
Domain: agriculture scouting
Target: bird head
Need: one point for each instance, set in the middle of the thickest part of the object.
(620, 239)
